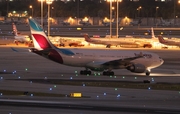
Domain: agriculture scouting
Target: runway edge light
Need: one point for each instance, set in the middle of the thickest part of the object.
(76, 95)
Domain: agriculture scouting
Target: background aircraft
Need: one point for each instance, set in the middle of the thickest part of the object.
(84, 23)
(70, 42)
(164, 23)
(97, 60)
(123, 42)
(168, 42)
(135, 22)
(20, 38)
(108, 23)
(65, 23)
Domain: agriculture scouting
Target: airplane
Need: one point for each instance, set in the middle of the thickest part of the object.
(65, 23)
(123, 42)
(108, 23)
(95, 60)
(70, 42)
(168, 42)
(164, 23)
(84, 23)
(20, 38)
(135, 23)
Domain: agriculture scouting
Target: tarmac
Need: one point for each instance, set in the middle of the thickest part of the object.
(18, 68)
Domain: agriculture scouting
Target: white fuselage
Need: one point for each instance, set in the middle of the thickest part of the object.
(172, 43)
(120, 41)
(83, 57)
(22, 38)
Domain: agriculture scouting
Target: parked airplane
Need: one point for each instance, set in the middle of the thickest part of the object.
(164, 23)
(84, 23)
(108, 23)
(168, 42)
(136, 22)
(123, 42)
(97, 60)
(18, 37)
(70, 42)
(65, 23)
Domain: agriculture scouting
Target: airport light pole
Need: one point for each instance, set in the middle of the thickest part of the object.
(117, 11)
(156, 14)
(31, 7)
(117, 16)
(77, 11)
(52, 8)
(7, 10)
(139, 9)
(41, 12)
(110, 18)
(175, 11)
(49, 2)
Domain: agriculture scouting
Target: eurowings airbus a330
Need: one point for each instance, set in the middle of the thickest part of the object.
(96, 60)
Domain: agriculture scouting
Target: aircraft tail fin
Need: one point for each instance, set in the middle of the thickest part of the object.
(15, 32)
(161, 39)
(40, 40)
(152, 33)
(87, 38)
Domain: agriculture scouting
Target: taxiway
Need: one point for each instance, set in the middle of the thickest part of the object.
(19, 69)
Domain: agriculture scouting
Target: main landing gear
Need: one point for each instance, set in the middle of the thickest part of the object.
(108, 73)
(105, 73)
(108, 46)
(85, 72)
(147, 74)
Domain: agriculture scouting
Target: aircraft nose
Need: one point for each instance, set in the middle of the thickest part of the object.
(161, 61)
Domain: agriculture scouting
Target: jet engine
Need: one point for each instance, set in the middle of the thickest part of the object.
(137, 68)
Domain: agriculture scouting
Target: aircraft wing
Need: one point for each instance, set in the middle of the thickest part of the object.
(121, 62)
(22, 50)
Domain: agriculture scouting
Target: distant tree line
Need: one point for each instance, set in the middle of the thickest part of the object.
(96, 8)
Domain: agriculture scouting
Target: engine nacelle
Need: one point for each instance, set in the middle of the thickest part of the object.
(137, 68)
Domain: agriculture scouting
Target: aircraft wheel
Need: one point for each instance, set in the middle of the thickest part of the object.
(108, 46)
(146, 81)
(147, 73)
(108, 73)
(16, 42)
(111, 73)
(85, 72)
(89, 72)
(81, 72)
(104, 73)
